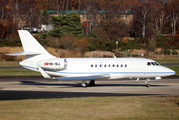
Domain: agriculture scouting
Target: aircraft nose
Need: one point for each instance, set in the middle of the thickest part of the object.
(170, 71)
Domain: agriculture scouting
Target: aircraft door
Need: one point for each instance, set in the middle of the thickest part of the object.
(100, 66)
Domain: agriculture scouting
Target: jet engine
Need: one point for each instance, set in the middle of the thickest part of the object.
(54, 64)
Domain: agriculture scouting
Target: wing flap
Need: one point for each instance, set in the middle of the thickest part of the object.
(94, 77)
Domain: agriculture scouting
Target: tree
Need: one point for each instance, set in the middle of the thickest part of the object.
(131, 3)
(160, 19)
(45, 18)
(3, 29)
(14, 7)
(160, 15)
(174, 14)
(42, 4)
(142, 16)
(68, 24)
(31, 13)
(3, 9)
(92, 7)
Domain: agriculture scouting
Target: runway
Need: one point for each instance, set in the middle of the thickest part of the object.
(17, 88)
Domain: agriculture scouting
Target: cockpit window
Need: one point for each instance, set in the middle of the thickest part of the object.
(153, 63)
(157, 63)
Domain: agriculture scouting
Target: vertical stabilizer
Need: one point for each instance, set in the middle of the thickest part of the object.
(29, 43)
(33, 50)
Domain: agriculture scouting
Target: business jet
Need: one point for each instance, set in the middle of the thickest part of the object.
(86, 69)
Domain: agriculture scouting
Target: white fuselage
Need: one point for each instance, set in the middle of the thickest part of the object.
(115, 67)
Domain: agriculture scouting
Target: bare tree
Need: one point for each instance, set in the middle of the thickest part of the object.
(142, 15)
(174, 19)
(3, 9)
(31, 13)
(160, 19)
(14, 9)
(57, 5)
(174, 14)
(92, 8)
(67, 4)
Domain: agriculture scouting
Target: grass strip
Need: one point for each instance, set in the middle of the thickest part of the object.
(92, 108)
(167, 60)
(18, 72)
(9, 64)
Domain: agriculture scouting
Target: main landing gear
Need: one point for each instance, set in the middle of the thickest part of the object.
(92, 83)
(84, 83)
(147, 82)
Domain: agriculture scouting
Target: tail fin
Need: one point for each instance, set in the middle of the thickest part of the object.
(32, 48)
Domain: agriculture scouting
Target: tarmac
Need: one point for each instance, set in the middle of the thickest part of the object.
(19, 87)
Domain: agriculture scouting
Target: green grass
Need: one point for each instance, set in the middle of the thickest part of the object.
(9, 64)
(18, 72)
(167, 60)
(92, 108)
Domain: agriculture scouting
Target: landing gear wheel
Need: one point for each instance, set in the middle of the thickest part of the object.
(148, 85)
(147, 81)
(84, 85)
(92, 83)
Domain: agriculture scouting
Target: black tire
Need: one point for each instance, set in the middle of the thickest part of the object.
(148, 85)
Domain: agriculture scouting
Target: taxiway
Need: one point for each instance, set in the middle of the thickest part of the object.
(14, 88)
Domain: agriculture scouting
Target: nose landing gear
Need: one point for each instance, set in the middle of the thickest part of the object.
(147, 82)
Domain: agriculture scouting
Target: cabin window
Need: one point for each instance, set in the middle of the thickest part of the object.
(50, 63)
(91, 65)
(117, 65)
(95, 65)
(113, 65)
(121, 65)
(100, 66)
(109, 65)
(105, 65)
(125, 65)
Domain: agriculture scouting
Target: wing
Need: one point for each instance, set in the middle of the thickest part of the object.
(92, 77)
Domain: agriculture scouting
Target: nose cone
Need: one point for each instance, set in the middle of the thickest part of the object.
(172, 72)
(169, 71)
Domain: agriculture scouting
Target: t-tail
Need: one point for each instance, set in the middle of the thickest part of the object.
(33, 51)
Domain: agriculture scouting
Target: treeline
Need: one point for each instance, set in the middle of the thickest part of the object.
(151, 19)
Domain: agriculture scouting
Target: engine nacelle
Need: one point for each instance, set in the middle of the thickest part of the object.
(54, 64)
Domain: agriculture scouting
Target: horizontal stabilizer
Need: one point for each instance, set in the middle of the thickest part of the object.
(23, 53)
(93, 77)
